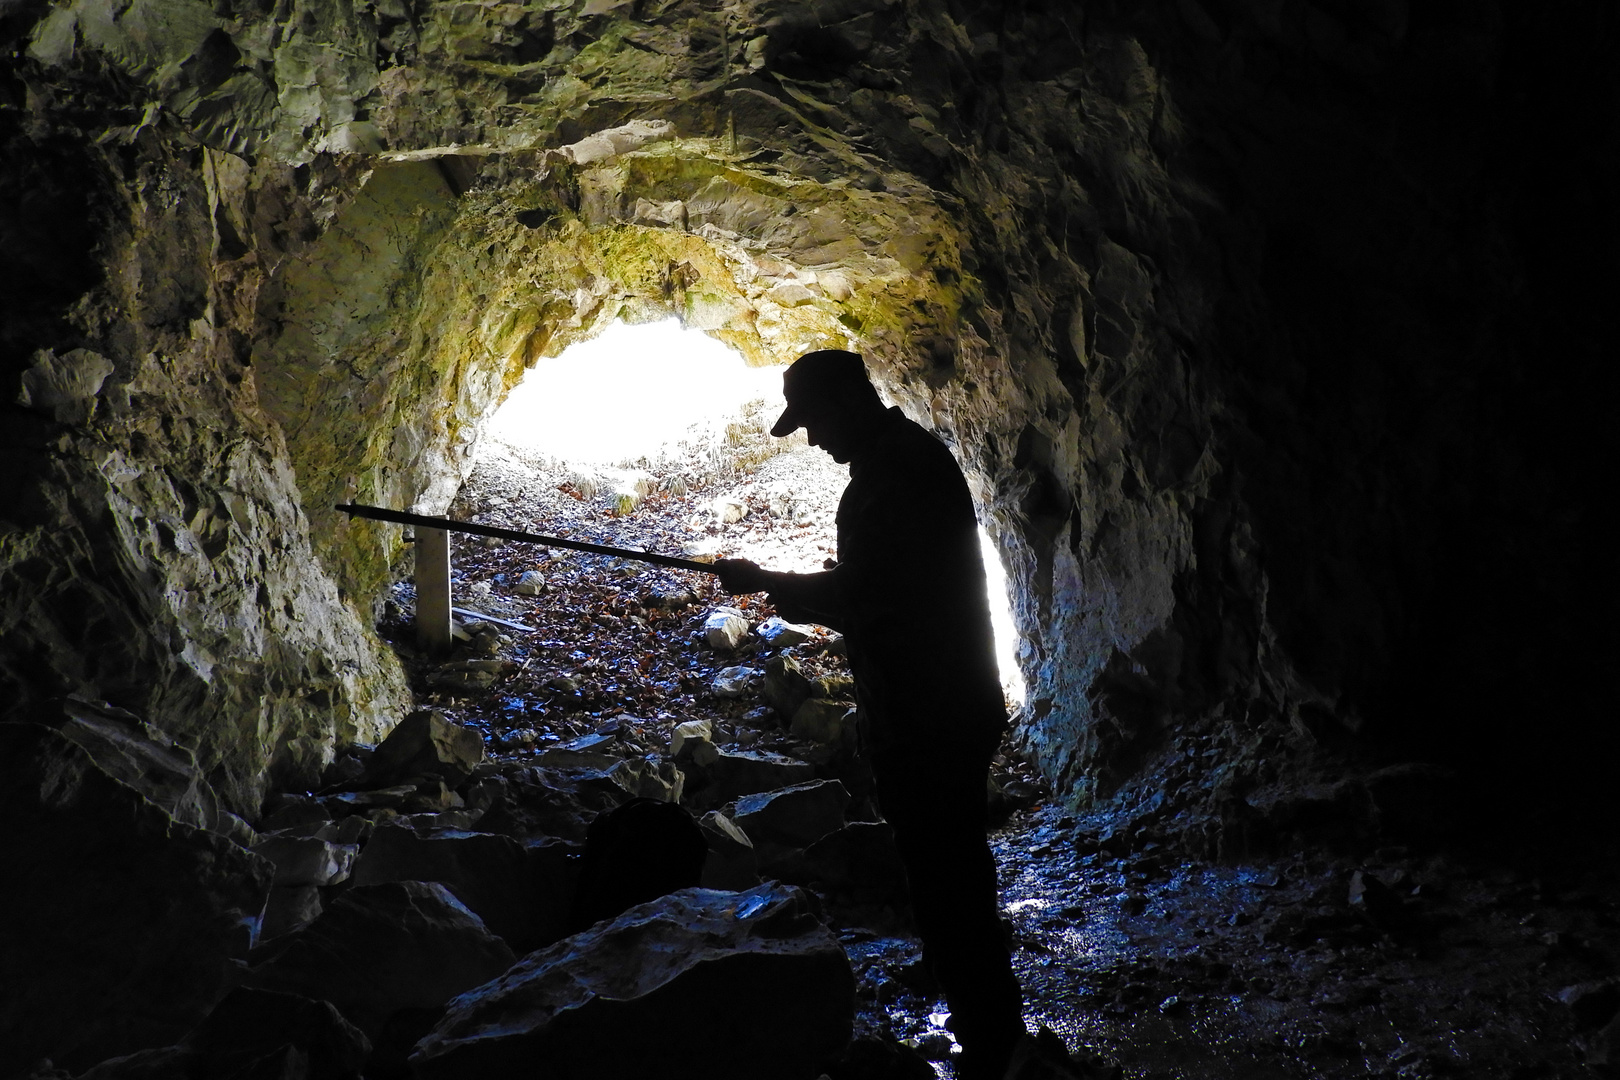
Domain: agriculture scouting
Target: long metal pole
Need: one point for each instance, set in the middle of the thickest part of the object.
(423, 521)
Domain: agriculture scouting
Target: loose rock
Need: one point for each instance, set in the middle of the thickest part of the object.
(688, 736)
(734, 682)
(760, 959)
(379, 950)
(780, 634)
(521, 893)
(289, 909)
(100, 879)
(730, 863)
(725, 628)
(306, 860)
(427, 743)
(831, 723)
(786, 687)
(794, 816)
(745, 772)
(728, 510)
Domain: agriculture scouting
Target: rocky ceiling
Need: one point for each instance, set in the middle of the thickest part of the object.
(1265, 354)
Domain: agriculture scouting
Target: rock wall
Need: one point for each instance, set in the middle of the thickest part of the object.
(1222, 306)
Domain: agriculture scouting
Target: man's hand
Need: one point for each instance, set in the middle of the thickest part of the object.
(741, 576)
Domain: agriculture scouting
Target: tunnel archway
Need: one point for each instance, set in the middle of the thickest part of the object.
(1136, 336)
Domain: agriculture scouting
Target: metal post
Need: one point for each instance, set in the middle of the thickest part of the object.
(433, 590)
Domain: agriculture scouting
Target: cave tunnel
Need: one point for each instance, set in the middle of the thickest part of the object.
(1268, 338)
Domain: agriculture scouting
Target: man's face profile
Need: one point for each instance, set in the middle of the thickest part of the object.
(828, 428)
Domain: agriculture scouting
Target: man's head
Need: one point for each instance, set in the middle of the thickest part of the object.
(829, 395)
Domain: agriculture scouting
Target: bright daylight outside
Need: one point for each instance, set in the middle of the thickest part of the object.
(641, 414)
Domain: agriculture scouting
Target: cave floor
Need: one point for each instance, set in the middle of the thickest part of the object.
(1391, 963)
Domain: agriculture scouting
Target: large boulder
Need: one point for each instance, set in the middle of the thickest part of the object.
(379, 951)
(794, 816)
(521, 893)
(122, 908)
(759, 968)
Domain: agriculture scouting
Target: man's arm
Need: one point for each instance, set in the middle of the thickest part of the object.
(816, 598)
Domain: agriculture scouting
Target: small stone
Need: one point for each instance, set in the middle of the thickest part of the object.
(433, 797)
(734, 682)
(831, 723)
(298, 815)
(1592, 1003)
(462, 681)
(786, 687)
(351, 830)
(344, 770)
(65, 387)
(306, 860)
(780, 501)
(519, 739)
(728, 510)
(388, 798)
(668, 599)
(780, 634)
(593, 751)
(641, 778)
(521, 893)
(833, 686)
(289, 909)
(532, 583)
(690, 739)
(725, 628)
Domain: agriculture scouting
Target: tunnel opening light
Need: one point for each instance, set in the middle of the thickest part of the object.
(1001, 621)
(629, 395)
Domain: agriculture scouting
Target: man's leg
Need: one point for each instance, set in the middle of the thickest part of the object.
(936, 805)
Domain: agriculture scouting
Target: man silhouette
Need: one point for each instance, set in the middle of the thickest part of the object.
(908, 593)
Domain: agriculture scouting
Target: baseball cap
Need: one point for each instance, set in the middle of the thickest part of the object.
(816, 380)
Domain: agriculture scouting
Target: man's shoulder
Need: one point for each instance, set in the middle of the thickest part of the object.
(903, 437)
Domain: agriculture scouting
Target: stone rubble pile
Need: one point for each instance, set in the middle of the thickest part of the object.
(429, 892)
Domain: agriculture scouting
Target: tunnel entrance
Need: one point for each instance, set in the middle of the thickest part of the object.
(654, 409)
